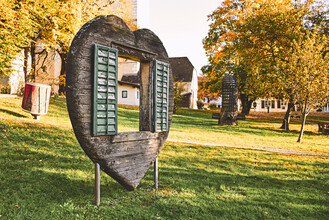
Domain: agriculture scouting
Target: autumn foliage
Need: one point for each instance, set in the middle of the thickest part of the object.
(54, 22)
(274, 48)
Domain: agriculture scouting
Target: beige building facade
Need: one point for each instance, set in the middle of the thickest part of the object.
(47, 71)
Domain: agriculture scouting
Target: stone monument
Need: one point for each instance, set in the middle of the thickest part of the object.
(229, 112)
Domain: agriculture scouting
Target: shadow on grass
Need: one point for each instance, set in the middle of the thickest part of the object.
(231, 192)
(40, 170)
(251, 127)
(195, 119)
(44, 173)
(13, 113)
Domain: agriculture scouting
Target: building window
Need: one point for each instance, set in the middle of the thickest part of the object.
(137, 94)
(279, 104)
(263, 104)
(284, 105)
(124, 94)
(273, 104)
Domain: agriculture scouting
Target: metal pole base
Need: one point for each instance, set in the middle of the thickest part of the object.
(97, 185)
(156, 173)
(36, 117)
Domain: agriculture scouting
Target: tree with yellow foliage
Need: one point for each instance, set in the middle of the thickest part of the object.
(15, 31)
(307, 73)
(219, 44)
(264, 36)
(79, 12)
(53, 22)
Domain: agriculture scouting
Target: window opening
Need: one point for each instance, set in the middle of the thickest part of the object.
(263, 104)
(273, 104)
(124, 94)
(128, 104)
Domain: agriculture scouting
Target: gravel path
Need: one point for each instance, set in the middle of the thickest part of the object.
(282, 151)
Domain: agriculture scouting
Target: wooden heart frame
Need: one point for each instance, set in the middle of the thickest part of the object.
(125, 156)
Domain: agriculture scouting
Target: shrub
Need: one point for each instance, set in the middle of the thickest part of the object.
(212, 106)
(200, 104)
(4, 89)
(178, 89)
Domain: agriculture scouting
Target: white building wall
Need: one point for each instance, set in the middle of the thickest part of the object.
(127, 67)
(194, 90)
(325, 108)
(132, 95)
(135, 8)
(263, 104)
(16, 80)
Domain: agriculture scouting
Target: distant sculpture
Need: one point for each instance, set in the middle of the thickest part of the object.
(229, 112)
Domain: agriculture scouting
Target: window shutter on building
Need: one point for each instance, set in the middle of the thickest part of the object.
(105, 108)
(161, 96)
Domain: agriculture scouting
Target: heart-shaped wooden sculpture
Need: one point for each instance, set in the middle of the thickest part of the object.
(91, 99)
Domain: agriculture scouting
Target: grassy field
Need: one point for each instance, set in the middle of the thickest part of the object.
(45, 174)
(259, 130)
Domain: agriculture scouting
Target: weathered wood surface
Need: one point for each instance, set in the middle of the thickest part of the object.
(126, 157)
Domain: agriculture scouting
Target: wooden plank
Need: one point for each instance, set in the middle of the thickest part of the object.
(145, 109)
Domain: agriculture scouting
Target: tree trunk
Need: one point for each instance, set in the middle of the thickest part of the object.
(246, 110)
(62, 84)
(243, 99)
(33, 63)
(246, 104)
(286, 120)
(302, 128)
(26, 62)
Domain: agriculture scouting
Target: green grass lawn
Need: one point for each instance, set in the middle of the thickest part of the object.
(44, 174)
(255, 132)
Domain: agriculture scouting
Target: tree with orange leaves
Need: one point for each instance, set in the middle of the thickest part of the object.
(53, 22)
(224, 31)
(266, 39)
(204, 90)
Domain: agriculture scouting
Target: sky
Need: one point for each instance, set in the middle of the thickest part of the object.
(180, 24)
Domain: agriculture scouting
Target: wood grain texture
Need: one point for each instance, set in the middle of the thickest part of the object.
(127, 156)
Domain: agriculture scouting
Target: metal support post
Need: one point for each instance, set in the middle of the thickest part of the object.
(36, 117)
(156, 173)
(97, 185)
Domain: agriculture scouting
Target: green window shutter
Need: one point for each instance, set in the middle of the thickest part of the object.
(105, 108)
(161, 96)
